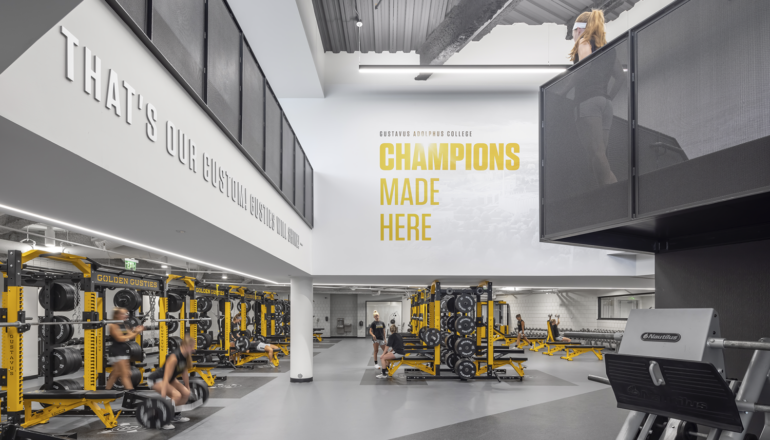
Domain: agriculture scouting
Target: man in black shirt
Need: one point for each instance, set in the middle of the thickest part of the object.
(555, 331)
(377, 331)
(396, 344)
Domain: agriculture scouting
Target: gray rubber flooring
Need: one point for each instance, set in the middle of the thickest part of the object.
(346, 401)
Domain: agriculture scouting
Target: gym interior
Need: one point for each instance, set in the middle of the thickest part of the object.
(566, 235)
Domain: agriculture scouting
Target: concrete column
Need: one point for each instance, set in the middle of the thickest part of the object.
(301, 350)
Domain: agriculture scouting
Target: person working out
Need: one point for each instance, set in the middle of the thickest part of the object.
(164, 379)
(235, 327)
(554, 324)
(396, 344)
(594, 91)
(377, 331)
(520, 333)
(120, 352)
(270, 349)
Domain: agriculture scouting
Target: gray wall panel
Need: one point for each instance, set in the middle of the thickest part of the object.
(287, 160)
(223, 94)
(253, 109)
(734, 280)
(177, 31)
(272, 137)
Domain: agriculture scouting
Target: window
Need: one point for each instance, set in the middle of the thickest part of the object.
(620, 306)
(177, 31)
(223, 94)
(272, 138)
(253, 108)
(137, 9)
(287, 159)
(299, 178)
(308, 192)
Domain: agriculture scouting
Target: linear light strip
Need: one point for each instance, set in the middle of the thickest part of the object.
(466, 68)
(133, 243)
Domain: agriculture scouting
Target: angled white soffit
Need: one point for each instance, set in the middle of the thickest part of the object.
(284, 37)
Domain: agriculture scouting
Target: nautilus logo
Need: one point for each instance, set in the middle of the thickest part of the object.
(661, 337)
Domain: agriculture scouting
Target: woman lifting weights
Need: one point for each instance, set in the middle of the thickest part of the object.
(120, 351)
(164, 379)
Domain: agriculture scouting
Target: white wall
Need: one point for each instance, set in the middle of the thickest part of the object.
(322, 312)
(486, 223)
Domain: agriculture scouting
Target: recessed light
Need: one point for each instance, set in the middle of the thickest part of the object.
(224, 277)
(163, 266)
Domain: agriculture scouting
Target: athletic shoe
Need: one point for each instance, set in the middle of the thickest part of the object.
(382, 376)
(169, 426)
(181, 419)
(377, 367)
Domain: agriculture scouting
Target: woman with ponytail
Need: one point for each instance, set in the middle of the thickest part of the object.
(594, 91)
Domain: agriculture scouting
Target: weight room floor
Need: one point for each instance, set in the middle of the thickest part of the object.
(346, 401)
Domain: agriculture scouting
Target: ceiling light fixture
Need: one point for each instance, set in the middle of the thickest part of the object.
(130, 242)
(224, 277)
(467, 68)
(163, 266)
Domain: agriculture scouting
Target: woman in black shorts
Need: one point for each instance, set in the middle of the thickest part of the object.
(164, 379)
(120, 352)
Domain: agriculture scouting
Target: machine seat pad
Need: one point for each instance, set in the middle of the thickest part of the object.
(104, 394)
(55, 394)
(205, 364)
(585, 346)
(508, 350)
(483, 358)
(413, 358)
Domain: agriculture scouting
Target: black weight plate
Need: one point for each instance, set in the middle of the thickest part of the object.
(450, 304)
(278, 307)
(259, 338)
(451, 360)
(287, 329)
(451, 340)
(444, 323)
(135, 351)
(465, 347)
(450, 323)
(205, 325)
(278, 330)
(172, 326)
(248, 306)
(242, 343)
(63, 297)
(464, 303)
(154, 412)
(465, 369)
(200, 341)
(421, 333)
(204, 304)
(209, 339)
(174, 302)
(62, 332)
(128, 299)
(198, 390)
(174, 343)
(464, 325)
(59, 362)
(136, 378)
(432, 337)
(443, 356)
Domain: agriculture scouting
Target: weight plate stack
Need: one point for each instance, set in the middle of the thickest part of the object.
(65, 360)
(198, 390)
(286, 329)
(464, 325)
(451, 341)
(63, 297)
(450, 323)
(248, 306)
(66, 384)
(174, 343)
(135, 352)
(432, 337)
(155, 412)
(174, 302)
(464, 303)
(465, 348)
(444, 323)
(173, 326)
(204, 326)
(204, 304)
(465, 369)
(128, 299)
(451, 360)
(450, 304)
(278, 308)
(278, 330)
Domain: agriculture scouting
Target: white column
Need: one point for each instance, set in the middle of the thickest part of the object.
(301, 350)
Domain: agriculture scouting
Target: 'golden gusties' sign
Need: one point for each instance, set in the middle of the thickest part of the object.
(112, 280)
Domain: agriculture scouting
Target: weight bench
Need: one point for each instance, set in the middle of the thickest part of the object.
(555, 347)
(245, 358)
(317, 334)
(61, 401)
(203, 369)
(499, 362)
(418, 362)
(574, 351)
(534, 341)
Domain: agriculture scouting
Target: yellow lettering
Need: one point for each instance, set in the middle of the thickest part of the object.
(399, 226)
(417, 191)
(457, 155)
(383, 227)
(409, 227)
(432, 193)
(468, 159)
(402, 156)
(385, 162)
(419, 158)
(480, 159)
(438, 159)
(496, 157)
(406, 196)
(425, 226)
(512, 163)
(384, 194)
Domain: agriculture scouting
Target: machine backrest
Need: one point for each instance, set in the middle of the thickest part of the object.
(674, 334)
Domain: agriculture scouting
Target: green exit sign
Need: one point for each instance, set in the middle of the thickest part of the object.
(131, 264)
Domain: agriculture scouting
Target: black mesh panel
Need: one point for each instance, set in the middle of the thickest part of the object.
(177, 31)
(224, 71)
(253, 109)
(308, 192)
(586, 145)
(299, 179)
(272, 137)
(703, 104)
(287, 176)
(137, 9)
